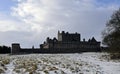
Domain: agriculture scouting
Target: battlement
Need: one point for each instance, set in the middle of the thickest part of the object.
(68, 37)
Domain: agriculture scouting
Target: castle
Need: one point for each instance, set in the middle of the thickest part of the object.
(65, 43)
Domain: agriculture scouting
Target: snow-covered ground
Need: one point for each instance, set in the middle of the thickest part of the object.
(84, 63)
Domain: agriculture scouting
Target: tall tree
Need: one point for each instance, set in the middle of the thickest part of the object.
(111, 34)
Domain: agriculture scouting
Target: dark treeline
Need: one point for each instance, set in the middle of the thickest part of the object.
(5, 49)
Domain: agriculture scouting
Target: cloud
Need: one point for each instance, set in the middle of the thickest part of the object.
(22, 37)
(42, 18)
(9, 24)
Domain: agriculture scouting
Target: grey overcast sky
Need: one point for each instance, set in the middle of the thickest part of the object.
(30, 22)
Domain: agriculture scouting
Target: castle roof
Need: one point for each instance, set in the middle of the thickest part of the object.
(93, 39)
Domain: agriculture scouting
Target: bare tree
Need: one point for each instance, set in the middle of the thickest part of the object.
(111, 34)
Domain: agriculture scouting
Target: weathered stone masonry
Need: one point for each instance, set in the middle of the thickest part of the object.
(65, 43)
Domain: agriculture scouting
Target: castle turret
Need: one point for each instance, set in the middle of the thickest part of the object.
(59, 36)
(15, 48)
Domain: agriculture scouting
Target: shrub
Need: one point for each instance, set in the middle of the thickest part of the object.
(115, 56)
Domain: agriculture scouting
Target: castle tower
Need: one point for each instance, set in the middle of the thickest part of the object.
(69, 37)
(15, 48)
(59, 36)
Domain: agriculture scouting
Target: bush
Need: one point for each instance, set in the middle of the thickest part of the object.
(115, 56)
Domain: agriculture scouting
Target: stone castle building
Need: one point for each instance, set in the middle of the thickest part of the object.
(71, 42)
(64, 43)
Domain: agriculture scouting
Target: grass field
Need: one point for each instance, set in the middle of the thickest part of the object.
(84, 63)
